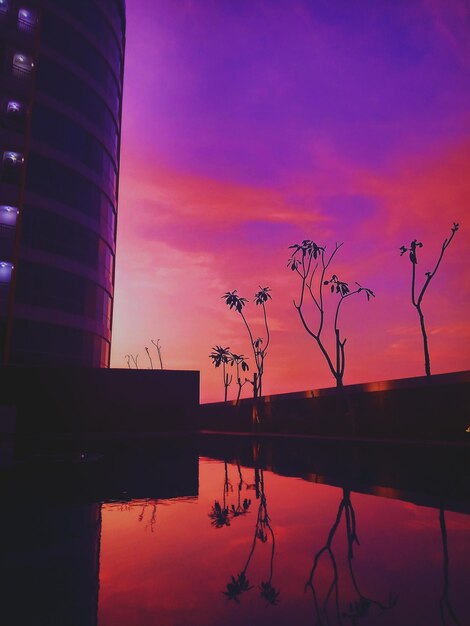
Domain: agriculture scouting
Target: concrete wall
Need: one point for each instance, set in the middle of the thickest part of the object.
(413, 408)
(77, 400)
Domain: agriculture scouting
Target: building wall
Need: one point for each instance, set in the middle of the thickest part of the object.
(61, 75)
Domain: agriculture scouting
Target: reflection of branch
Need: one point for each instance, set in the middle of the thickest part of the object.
(153, 517)
(262, 532)
(444, 602)
(221, 513)
(360, 607)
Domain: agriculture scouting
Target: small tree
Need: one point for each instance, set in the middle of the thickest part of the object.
(220, 356)
(159, 351)
(304, 261)
(240, 362)
(233, 301)
(417, 298)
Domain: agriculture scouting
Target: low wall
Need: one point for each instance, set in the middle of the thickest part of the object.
(413, 408)
(81, 400)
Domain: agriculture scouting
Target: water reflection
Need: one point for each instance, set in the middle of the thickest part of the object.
(446, 609)
(263, 533)
(246, 543)
(362, 605)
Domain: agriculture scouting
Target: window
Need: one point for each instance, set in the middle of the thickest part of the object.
(22, 65)
(13, 159)
(11, 166)
(27, 20)
(8, 215)
(6, 269)
(15, 108)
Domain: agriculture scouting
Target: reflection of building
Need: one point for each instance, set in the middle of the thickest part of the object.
(61, 69)
(51, 527)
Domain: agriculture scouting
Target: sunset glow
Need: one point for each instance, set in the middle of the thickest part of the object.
(252, 125)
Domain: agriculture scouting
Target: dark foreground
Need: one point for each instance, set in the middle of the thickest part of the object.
(213, 530)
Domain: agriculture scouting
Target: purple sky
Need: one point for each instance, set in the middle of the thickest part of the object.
(251, 125)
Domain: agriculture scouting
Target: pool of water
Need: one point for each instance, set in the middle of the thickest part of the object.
(227, 532)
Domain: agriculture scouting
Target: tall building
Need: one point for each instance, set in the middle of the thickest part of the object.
(61, 76)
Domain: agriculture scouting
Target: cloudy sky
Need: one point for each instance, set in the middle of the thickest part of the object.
(251, 125)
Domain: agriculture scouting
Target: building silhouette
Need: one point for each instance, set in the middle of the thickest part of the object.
(61, 76)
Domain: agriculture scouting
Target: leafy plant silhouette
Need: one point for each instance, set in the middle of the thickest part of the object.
(417, 297)
(305, 259)
(258, 345)
(263, 531)
(221, 356)
(356, 608)
(222, 514)
(240, 363)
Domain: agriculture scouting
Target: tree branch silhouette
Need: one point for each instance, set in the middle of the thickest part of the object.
(417, 300)
(304, 261)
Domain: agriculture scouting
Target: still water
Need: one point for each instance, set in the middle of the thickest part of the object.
(222, 533)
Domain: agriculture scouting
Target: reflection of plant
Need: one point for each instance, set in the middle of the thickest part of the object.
(237, 586)
(304, 261)
(220, 515)
(233, 301)
(444, 602)
(263, 531)
(240, 508)
(357, 608)
(417, 300)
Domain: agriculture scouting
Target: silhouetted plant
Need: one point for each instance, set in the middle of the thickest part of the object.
(304, 261)
(233, 301)
(159, 351)
(240, 362)
(149, 357)
(135, 360)
(417, 298)
(357, 608)
(220, 356)
(128, 360)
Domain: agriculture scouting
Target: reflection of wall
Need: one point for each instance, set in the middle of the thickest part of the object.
(49, 563)
(427, 475)
(50, 523)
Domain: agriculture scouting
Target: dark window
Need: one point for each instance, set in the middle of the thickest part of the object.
(59, 83)
(67, 41)
(52, 179)
(38, 343)
(43, 230)
(61, 133)
(52, 288)
(88, 13)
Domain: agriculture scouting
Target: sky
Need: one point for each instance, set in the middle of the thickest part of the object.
(250, 126)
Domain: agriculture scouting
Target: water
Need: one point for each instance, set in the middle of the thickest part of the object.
(227, 531)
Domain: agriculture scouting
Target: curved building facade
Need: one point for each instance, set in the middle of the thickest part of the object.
(61, 76)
